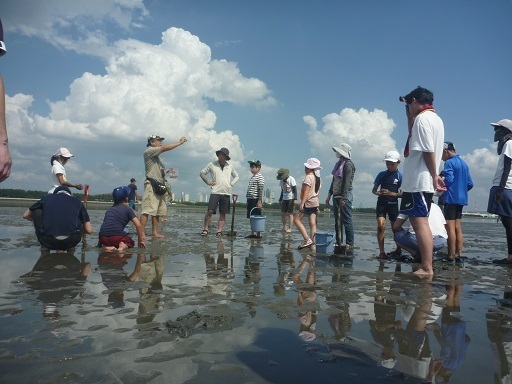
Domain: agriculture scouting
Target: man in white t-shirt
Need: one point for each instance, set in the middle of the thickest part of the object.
(423, 152)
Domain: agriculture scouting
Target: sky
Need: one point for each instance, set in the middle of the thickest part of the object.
(277, 81)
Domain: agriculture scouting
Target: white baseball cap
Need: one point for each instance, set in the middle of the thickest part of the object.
(393, 156)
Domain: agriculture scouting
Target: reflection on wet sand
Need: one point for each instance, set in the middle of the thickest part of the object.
(231, 310)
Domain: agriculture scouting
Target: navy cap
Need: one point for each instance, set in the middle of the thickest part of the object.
(120, 194)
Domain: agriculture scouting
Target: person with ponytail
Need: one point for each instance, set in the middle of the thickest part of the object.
(500, 196)
(309, 202)
(58, 161)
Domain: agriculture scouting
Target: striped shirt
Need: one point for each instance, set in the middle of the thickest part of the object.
(255, 188)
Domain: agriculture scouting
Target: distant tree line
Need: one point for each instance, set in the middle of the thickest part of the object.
(107, 197)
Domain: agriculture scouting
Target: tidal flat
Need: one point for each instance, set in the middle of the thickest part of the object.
(192, 309)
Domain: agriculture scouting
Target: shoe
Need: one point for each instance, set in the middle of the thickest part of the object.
(383, 256)
(504, 261)
(288, 230)
(219, 234)
(306, 243)
(204, 233)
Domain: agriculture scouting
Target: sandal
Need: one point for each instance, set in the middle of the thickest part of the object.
(219, 234)
(306, 243)
(382, 256)
(395, 253)
(204, 233)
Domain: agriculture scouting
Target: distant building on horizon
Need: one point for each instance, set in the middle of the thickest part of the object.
(268, 196)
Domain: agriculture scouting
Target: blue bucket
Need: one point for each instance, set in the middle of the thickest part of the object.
(324, 242)
(257, 221)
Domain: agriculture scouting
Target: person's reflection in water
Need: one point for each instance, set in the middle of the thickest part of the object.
(57, 278)
(285, 266)
(385, 327)
(414, 354)
(252, 275)
(219, 272)
(338, 296)
(151, 272)
(452, 337)
(306, 297)
(499, 331)
(116, 280)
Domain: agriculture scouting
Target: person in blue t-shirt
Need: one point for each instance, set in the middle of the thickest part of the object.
(389, 182)
(58, 219)
(112, 236)
(132, 197)
(458, 182)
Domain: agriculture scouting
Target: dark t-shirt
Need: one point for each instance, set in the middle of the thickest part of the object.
(115, 220)
(392, 181)
(133, 188)
(63, 215)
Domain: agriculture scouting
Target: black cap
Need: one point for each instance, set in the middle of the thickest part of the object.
(255, 162)
(3, 50)
(449, 146)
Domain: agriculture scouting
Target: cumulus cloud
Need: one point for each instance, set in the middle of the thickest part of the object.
(369, 135)
(77, 26)
(162, 89)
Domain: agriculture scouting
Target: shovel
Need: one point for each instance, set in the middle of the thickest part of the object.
(233, 233)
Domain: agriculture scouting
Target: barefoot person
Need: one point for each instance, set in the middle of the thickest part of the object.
(153, 199)
(422, 158)
(112, 236)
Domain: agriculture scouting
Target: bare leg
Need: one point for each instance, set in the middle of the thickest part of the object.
(143, 221)
(284, 219)
(222, 221)
(207, 219)
(155, 234)
(312, 226)
(381, 230)
(460, 238)
(298, 223)
(290, 221)
(452, 237)
(425, 244)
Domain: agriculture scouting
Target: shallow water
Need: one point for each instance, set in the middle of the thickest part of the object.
(205, 310)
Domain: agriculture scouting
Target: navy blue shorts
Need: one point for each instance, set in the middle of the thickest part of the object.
(416, 204)
(384, 208)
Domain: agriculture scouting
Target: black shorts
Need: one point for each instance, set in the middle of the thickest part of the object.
(252, 203)
(53, 243)
(287, 206)
(453, 211)
(219, 200)
(384, 208)
(309, 211)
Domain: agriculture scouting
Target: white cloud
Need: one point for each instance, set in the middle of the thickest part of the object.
(72, 25)
(369, 135)
(147, 89)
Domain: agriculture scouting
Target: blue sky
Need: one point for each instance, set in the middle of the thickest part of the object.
(270, 80)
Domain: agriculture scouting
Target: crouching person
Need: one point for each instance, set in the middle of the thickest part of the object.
(112, 236)
(58, 220)
(406, 239)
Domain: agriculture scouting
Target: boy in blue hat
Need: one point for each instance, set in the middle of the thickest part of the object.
(112, 236)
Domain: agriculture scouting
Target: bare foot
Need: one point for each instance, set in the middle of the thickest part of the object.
(109, 248)
(122, 247)
(424, 271)
(157, 236)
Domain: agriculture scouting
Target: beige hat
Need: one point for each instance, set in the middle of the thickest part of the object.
(64, 152)
(344, 150)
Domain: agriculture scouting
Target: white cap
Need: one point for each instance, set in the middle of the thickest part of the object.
(503, 123)
(393, 156)
(64, 152)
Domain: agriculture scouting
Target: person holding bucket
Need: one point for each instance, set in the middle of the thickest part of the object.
(255, 195)
(309, 201)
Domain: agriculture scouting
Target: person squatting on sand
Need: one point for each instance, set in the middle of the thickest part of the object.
(500, 196)
(5, 155)
(309, 201)
(408, 240)
(341, 191)
(288, 198)
(422, 158)
(153, 199)
(255, 194)
(112, 236)
(224, 178)
(58, 220)
(389, 182)
(458, 182)
(58, 161)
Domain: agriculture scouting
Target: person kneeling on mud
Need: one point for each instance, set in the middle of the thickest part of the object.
(112, 236)
(58, 219)
(406, 239)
